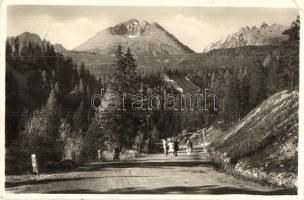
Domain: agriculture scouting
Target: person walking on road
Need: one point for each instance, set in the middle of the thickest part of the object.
(175, 147)
(171, 147)
(116, 153)
(189, 146)
(165, 146)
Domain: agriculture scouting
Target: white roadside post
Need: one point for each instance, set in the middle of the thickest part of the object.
(204, 139)
(35, 164)
(99, 154)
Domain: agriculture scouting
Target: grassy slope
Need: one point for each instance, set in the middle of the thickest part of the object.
(275, 117)
(263, 145)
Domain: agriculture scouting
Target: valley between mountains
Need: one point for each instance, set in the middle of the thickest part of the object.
(248, 129)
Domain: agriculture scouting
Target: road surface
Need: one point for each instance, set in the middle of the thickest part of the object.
(149, 174)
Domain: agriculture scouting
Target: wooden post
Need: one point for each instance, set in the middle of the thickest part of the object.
(35, 164)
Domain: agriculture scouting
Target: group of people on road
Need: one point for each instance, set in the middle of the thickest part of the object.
(171, 146)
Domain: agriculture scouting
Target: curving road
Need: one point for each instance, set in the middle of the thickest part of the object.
(149, 174)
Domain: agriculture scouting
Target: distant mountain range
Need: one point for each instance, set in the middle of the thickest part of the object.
(145, 39)
(246, 36)
(154, 47)
(152, 40)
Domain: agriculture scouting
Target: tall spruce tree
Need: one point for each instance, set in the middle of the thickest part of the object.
(289, 63)
(257, 92)
(123, 123)
(231, 100)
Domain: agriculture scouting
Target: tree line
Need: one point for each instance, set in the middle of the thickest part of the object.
(47, 102)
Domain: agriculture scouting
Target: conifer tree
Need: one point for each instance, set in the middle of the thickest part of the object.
(231, 100)
(123, 122)
(257, 91)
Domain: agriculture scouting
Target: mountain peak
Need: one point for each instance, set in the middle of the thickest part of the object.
(136, 21)
(132, 27)
(264, 25)
(133, 20)
(27, 36)
(145, 39)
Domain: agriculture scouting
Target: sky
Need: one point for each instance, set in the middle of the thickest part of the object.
(196, 27)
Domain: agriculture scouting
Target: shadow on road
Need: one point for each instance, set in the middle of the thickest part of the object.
(45, 181)
(101, 166)
(206, 189)
(149, 161)
(35, 182)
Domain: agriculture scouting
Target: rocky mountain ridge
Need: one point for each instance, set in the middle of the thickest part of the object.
(246, 36)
